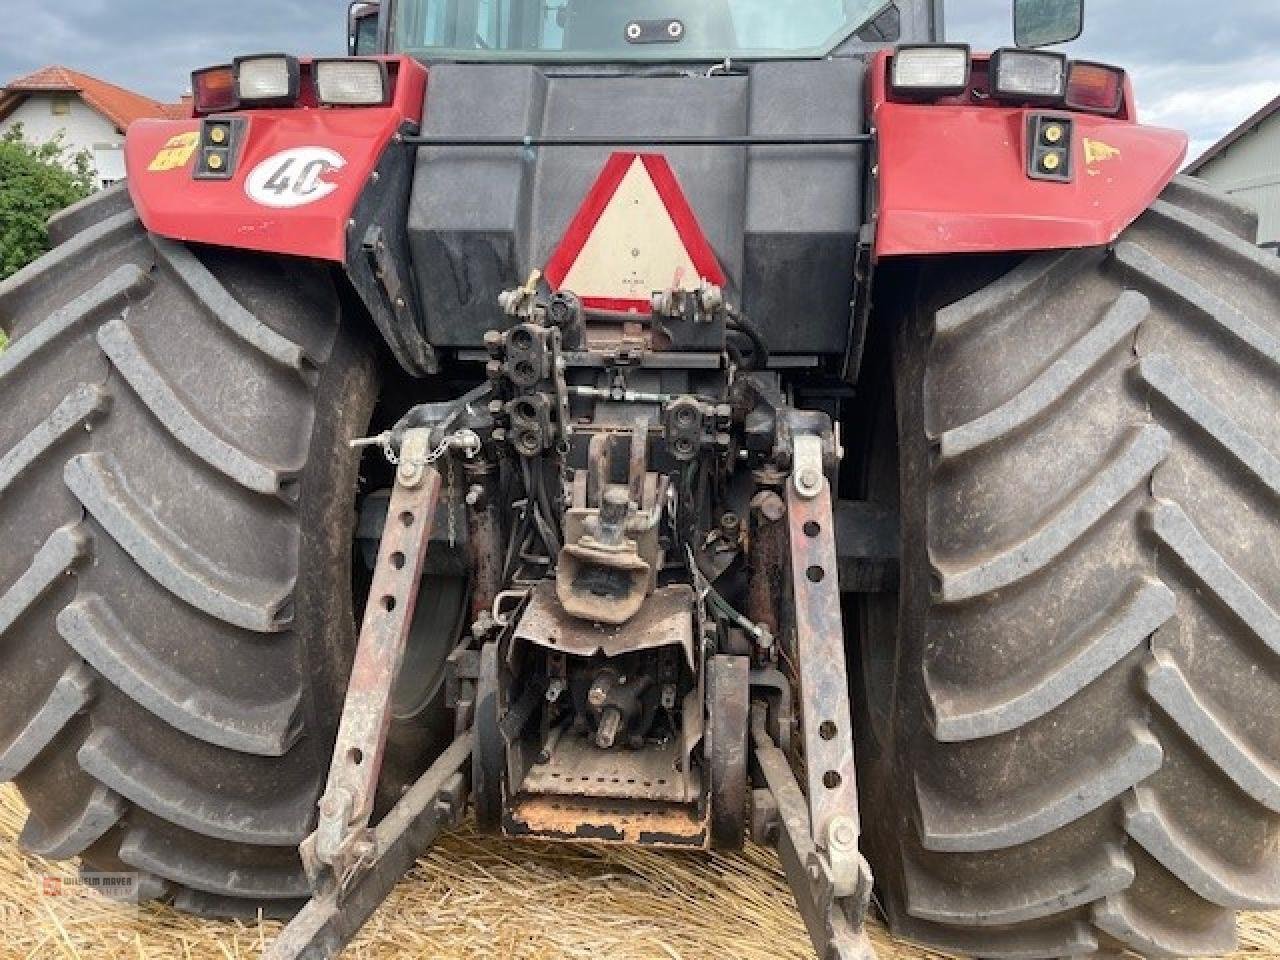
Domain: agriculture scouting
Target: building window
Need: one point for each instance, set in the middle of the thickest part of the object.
(61, 106)
(1273, 247)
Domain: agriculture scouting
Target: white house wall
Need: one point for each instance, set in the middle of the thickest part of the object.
(83, 129)
(1249, 170)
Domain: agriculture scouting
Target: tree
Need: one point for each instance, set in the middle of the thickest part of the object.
(36, 181)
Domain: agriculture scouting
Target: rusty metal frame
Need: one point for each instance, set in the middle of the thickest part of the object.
(728, 705)
(826, 719)
(332, 918)
(341, 840)
(836, 924)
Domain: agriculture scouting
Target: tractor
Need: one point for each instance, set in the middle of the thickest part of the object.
(661, 423)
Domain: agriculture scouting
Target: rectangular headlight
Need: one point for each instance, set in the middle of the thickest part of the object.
(1027, 74)
(352, 83)
(267, 80)
(936, 69)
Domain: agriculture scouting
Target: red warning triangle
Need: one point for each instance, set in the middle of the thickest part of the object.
(635, 233)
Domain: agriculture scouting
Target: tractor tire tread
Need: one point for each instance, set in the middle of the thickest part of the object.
(1091, 599)
(177, 691)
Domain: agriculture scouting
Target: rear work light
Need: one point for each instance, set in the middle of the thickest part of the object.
(267, 80)
(935, 70)
(1095, 87)
(351, 83)
(213, 90)
(1028, 75)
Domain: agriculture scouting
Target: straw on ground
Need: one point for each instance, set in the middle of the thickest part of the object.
(474, 897)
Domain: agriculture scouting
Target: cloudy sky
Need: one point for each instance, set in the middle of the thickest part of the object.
(1201, 65)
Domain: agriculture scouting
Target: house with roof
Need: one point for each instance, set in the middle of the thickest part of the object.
(1246, 164)
(90, 114)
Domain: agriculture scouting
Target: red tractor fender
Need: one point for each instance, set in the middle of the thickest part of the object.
(952, 176)
(160, 157)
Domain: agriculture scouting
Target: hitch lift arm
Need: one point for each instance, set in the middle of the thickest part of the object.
(353, 869)
(816, 830)
(332, 918)
(341, 839)
(836, 923)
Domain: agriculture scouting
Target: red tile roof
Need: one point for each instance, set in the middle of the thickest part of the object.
(120, 106)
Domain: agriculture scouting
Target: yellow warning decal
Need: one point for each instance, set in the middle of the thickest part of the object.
(176, 153)
(1095, 151)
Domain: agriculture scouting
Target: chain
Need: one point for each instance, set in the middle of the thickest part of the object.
(465, 440)
(393, 458)
(451, 496)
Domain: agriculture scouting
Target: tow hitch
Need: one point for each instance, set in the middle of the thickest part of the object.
(609, 689)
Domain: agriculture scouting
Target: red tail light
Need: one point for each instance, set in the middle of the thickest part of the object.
(1095, 87)
(214, 89)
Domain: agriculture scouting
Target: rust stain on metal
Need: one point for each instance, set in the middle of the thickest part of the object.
(393, 595)
(577, 767)
(484, 539)
(820, 659)
(651, 825)
(666, 619)
(767, 559)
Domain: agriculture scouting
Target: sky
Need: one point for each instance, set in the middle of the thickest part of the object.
(1199, 65)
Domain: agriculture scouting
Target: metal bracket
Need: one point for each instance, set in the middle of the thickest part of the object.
(331, 919)
(399, 296)
(836, 922)
(806, 468)
(342, 840)
(826, 720)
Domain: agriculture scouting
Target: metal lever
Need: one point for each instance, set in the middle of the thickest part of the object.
(331, 919)
(342, 841)
(381, 440)
(836, 923)
(830, 772)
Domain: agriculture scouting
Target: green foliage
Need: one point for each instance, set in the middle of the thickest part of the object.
(36, 181)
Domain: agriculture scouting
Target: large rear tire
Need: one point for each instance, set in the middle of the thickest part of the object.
(1073, 744)
(177, 502)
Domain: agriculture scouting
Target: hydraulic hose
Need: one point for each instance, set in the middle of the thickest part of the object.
(760, 350)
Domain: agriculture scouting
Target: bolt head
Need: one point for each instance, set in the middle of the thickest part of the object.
(772, 508)
(809, 480)
(842, 834)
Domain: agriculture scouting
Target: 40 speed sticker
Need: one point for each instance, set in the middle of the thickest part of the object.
(294, 177)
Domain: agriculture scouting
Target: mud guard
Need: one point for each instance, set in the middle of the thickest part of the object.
(160, 157)
(353, 212)
(952, 177)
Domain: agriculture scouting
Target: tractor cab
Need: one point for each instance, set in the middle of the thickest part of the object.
(735, 29)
